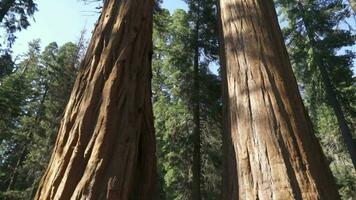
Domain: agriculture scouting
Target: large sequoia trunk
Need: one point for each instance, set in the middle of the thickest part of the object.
(277, 155)
(229, 177)
(105, 147)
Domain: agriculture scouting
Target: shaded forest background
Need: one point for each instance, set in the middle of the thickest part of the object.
(35, 88)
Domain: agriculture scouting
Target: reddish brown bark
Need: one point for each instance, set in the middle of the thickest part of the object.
(277, 155)
(229, 177)
(106, 138)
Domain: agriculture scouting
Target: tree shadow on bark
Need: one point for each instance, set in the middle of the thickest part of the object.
(270, 128)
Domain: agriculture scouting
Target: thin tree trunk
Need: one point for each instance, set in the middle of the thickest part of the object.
(28, 141)
(5, 6)
(330, 92)
(344, 128)
(196, 119)
(106, 138)
(16, 168)
(277, 154)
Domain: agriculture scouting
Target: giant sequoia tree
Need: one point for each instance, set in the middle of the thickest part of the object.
(277, 155)
(105, 146)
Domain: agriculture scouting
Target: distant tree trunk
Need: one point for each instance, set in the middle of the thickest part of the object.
(5, 6)
(106, 138)
(331, 93)
(28, 141)
(18, 164)
(196, 119)
(277, 154)
(333, 101)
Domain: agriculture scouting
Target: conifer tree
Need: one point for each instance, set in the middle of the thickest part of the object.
(319, 20)
(174, 97)
(316, 37)
(47, 79)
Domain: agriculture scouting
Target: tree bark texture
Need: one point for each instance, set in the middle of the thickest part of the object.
(106, 138)
(229, 177)
(277, 155)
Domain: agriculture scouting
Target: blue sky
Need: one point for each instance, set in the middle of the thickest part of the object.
(61, 21)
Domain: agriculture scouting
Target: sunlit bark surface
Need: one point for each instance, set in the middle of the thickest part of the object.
(105, 146)
(277, 155)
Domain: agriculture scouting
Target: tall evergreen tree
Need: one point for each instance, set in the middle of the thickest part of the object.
(172, 69)
(317, 22)
(204, 25)
(45, 76)
(174, 101)
(324, 70)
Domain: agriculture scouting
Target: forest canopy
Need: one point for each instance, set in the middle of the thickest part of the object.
(183, 100)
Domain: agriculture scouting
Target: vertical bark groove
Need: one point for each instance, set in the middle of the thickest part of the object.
(229, 177)
(277, 155)
(107, 130)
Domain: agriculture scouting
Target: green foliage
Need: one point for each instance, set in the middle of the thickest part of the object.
(6, 65)
(33, 98)
(14, 16)
(332, 143)
(34, 93)
(316, 37)
(173, 105)
(171, 68)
